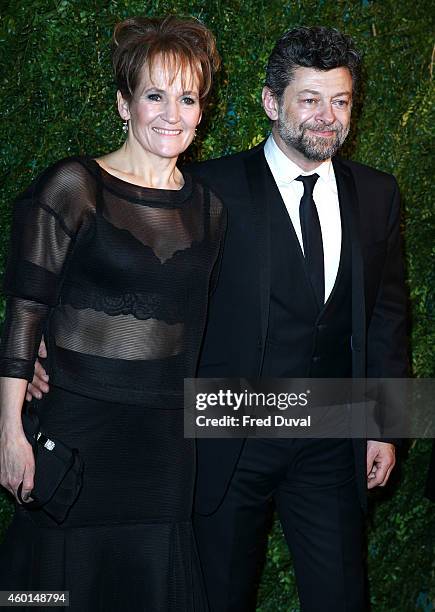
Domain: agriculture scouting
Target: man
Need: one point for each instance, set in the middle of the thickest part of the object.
(311, 284)
(277, 312)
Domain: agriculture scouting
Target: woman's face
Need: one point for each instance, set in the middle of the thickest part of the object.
(163, 114)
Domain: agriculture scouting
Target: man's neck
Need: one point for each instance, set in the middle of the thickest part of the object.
(295, 156)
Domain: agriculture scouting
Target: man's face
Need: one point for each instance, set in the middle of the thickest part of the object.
(312, 119)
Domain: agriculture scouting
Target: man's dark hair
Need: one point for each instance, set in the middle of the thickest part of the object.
(317, 47)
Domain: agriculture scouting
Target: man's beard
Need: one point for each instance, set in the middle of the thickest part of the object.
(315, 148)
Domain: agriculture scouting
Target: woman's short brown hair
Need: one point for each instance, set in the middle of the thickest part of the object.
(181, 43)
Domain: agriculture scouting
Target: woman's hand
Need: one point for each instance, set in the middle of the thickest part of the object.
(17, 463)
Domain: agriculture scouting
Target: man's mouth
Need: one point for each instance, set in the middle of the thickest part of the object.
(164, 132)
(323, 133)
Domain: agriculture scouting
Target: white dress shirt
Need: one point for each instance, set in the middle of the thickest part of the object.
(325, 197)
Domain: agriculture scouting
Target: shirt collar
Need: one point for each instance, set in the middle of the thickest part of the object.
(285, 170)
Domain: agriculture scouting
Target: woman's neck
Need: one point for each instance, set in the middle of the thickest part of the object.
(135, 165)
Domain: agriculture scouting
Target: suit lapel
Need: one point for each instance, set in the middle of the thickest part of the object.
(349, 202)
(256, 174)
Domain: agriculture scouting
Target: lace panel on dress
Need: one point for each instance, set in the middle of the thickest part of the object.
(164, 230)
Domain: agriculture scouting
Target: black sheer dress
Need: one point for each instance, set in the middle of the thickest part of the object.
(116, 276)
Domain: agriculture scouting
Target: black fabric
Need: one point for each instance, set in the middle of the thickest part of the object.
(58, 472)
(321, 523)
(113, 272)
(234, 343)
(303, 340)
(312, 237)
(312, 483)
(430, 479)
(117, 277)
(127, 542)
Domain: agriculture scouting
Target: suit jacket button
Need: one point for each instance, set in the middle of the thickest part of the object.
(315, 359)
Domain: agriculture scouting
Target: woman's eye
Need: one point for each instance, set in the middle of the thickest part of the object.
(188, 100)
(154, 97)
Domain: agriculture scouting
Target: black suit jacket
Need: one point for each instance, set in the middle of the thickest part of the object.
(234, 341)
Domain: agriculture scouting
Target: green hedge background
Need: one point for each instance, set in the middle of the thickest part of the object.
(57, 99)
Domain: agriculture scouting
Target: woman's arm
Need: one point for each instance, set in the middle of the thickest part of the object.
(46, 222)
(16, 456)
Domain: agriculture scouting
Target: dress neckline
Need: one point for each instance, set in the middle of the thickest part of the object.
(139, 193)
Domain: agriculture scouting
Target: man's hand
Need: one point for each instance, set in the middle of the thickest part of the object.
(381, 458)
(39, 385)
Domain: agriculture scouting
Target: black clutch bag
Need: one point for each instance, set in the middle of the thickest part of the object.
(58, 472)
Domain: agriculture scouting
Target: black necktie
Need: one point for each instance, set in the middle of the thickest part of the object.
(312, 237)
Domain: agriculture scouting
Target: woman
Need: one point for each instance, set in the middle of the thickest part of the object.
(111, 258)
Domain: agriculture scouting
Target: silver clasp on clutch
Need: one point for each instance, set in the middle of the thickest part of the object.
(46, 442)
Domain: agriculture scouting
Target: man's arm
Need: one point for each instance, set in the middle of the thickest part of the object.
(387, 341)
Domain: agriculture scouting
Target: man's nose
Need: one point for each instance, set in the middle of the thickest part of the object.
(326, 114)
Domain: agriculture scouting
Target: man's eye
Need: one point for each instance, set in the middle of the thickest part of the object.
(341, 103)
(154, 97)
(310, 100)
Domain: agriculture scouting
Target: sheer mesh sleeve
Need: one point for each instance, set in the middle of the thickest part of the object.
(46, 219)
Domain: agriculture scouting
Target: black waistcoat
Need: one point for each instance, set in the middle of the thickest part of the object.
(303, 340)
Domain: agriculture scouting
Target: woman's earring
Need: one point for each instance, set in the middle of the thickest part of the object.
(125, 127)
(195, 134)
